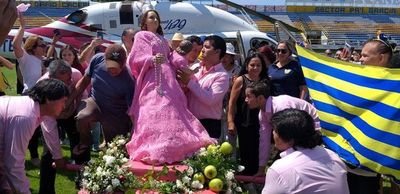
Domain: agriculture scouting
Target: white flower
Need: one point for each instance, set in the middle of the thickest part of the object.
(115, 182)
(119, 171)
(109, 188)
(229, 175)
(190, 171)
(109, 159)
(121, 142)
(98, 173)
(110, 151)
(124, 160)
(197, 185)
(185, 179)
(96, 188)
(229, 191)
(84, 183)
(99, 169)
(240, 168)
(179, 184)
(238, 189)
(203, 149)
(111, 145)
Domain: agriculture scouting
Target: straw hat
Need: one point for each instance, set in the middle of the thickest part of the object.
(178, 36)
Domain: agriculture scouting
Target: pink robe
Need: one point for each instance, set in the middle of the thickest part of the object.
(165, 131)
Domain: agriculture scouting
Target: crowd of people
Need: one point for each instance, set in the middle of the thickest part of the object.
(174, 97)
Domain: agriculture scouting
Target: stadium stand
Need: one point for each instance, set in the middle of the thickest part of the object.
(338, 21)
(43, 12)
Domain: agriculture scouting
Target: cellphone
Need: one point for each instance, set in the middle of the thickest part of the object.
(56, 32)
(100, 34)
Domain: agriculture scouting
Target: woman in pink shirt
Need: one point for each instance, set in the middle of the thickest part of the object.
(305, 166)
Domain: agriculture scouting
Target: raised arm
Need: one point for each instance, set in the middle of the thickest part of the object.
(87, 52)
(237, 86)
(52, 48)
(17, 41)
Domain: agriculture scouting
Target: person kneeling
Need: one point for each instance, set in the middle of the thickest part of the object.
(305, 166)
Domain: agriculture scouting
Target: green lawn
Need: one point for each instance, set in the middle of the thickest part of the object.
(65, 179)
(12, 80)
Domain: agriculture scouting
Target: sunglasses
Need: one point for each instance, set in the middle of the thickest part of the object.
(283, 51)
(42, 45)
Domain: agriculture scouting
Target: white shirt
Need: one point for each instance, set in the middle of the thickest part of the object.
(31, 70)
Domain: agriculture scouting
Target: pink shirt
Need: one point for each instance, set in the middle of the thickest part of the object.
(207, 90)
(273, 105)
(19, 117)
(316, 170)
(75, 77)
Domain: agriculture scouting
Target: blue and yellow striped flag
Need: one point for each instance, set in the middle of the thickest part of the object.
(359, 108)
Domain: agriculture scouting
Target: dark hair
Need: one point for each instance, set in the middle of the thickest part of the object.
(48, 89)
(194, 39)
(75, 63)
(263, 43)
(259, 88)
(126, 32)
(116, 53)
(46, 61)
(264, 68)
(268, 52)
(287, 44)
(297, 126)
(143, 21)
(395, 61)
(184, 47)
(58, 66)
(382, 47)
(218, 43)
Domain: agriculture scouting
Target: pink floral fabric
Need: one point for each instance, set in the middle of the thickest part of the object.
(165, 131)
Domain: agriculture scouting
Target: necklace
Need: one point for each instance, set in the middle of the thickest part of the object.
(157, 74)
(158, 67)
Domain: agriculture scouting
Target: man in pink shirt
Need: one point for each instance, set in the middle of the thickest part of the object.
(258, 96)
(59, 69)
(19, 117)
(208, 86)
(305, 166)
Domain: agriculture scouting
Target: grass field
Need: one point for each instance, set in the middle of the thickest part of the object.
(65, 179)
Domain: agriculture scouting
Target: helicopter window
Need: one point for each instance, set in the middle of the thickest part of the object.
(259, 42)
(126, 14)
(113, 5)
(113, 24)
(77, 17)
(96, 27)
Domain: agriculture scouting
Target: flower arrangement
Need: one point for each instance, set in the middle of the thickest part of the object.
(108, 173)
(211, 168)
